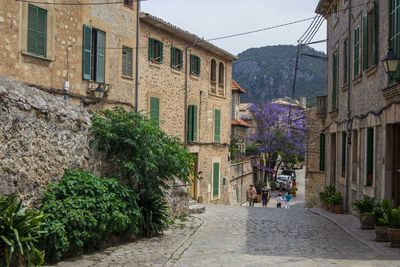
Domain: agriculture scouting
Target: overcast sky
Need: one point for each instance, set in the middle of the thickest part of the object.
(215, 18)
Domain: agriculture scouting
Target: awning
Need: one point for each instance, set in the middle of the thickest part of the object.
(266, 169)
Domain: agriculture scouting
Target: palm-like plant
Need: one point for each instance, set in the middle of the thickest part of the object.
(19, 232)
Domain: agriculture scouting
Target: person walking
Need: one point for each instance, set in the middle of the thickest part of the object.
(279, 200)
(251, 195)
(287, 200)
(265, 196)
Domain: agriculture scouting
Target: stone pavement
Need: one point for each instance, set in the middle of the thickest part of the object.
(156, 251)
(243, 236)
(351, 225)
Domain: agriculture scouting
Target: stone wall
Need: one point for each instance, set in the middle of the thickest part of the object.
(40, 136)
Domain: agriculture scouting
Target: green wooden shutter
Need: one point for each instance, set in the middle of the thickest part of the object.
(161, 47)
(32, 25)
(151, 49)
(172, 57)
(198, 64)
(376, 31)
(346, 60)
(37, 30)
(194, 123)
(155, 110)
(180, 59)
(370, 155)
(127, 55)
(365, 41)
(191, 64)
(190, 124)
(87, 53)
(100, 57)
(334, 81)
(217, 126)
(322, 152)
(215, 179)
(357, 51)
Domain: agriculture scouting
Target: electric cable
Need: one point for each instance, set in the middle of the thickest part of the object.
(78, 4)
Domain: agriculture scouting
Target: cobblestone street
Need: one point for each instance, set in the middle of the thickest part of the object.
(243, 236)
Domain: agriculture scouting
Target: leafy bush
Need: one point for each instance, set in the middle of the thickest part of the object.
(150, 159)
(83, 210)
(365, 205)
(380, 210)
(19, 233)
(335, 199)
(393, 218)
(155, 215)
(328, 192)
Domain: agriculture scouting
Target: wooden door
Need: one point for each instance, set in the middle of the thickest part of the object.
(193, 180)
(396, 165)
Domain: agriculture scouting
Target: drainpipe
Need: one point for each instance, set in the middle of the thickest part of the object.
(137, 57)
(348, 120)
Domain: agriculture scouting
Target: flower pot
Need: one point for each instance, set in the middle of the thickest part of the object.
(394, 237)
(367, 221)
(338, 209)
(330, 207)
(381, 234)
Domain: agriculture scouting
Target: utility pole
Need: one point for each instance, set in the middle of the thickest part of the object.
(348, 119)
(137, 57)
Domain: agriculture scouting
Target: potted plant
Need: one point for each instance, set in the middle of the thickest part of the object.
(381, 223)
(365, 208)
(393, 218)
(337, 203)
(325, 196)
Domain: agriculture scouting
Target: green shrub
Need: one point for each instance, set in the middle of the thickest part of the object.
(365, 205)
(155, 215)
(325, 196)
(83, 210)
(380, 210)
(146, 156)
(335, 199)
(19, 232)
(393, 218)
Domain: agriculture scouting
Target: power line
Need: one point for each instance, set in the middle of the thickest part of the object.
(78, 4)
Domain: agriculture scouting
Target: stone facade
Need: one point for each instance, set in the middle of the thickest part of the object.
(64, 42)
(40, 136)
(314, 176)
(374, 103)
(177, 88)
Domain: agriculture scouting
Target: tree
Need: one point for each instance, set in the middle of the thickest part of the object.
(280, 131)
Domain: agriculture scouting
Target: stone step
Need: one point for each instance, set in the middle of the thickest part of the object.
(192, 202)
(197, 209)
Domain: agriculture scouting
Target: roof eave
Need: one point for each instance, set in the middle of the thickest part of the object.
(323, 7)
(186, 36)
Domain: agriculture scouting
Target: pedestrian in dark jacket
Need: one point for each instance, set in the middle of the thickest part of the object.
(265, 197)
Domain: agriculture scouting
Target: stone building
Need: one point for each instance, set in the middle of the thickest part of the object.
(239, 126)
(185, 87)
(73, 47)
(369, 127)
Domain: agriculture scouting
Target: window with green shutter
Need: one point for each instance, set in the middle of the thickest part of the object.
(176, 58)
(192, 123)
(346, 61)
(127, 57)
(155, 51)
(370, 157)
(37, 30)
(215, 179)
(370, 37)
(394, 34)
(344, 138)
(335, 81)
(322, 152)
(217, 126)
(155, 110)
(194, 65)
(93, 54)
(356, 52)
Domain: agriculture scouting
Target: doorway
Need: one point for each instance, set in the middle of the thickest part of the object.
(193, 190)
(396, 165)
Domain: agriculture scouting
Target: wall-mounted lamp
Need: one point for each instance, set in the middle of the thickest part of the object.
(99, 92)
(390, 62)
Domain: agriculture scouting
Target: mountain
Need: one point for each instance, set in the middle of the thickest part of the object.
(267, 73)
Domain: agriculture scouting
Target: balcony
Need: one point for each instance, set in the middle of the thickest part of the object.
(322, 106)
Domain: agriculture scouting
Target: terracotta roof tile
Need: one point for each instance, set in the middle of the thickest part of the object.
(240, 122)
(237, 87)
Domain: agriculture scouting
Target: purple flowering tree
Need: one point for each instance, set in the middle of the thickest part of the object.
(280, 131)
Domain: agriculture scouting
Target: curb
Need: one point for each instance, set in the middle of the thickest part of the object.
(178, 252)
(345, 229)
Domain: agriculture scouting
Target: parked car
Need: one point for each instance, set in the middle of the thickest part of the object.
(284, 182)
(290, 173)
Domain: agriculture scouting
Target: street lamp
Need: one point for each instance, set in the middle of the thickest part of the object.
(390, 62)
(99, 92)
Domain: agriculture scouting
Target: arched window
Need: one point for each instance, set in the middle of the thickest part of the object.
(213, 71)
(221, 74)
